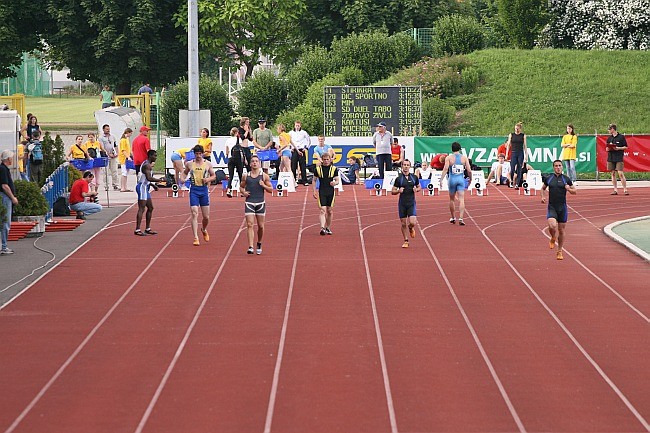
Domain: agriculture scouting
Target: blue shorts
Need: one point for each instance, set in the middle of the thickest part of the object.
(176, 157)
(199, 196)
(143, 193)
(286, 153)
(406, 210)
(559, 212)
(456, 184)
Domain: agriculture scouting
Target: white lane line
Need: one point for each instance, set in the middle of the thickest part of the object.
(375, 317)
(90, 335)
(586, 268)
(188, 332)
(477, 340)
(285, 322)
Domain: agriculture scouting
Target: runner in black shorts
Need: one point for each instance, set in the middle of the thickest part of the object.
(328, 177)
(406, 185)
(252, 187)
(557, 212)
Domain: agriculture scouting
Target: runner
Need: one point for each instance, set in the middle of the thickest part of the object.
(200, 174)
(406, 185)
(144, 196)
(456, 164)
(328, 177)
(557, 212)
(253, 186)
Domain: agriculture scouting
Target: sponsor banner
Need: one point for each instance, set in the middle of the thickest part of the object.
(344, 147)
(542, 150)
(637, 155)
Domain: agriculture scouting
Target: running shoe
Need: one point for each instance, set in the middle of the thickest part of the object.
(405, 244)
(6, 251)
(139, 233)
(206, 236)
(229, 193)
(258, 251)
(559, 255)
(626, 192)
(461, 222)
(323, 232)
(614, 192)
(150, 232)
(412, 232)
(196, 242)
(551, 243)
(250, 250)
(328, 231)
(452, 220)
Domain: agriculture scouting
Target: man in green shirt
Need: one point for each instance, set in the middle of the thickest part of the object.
(106, 97)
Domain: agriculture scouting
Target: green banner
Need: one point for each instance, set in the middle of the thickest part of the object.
(542, 150)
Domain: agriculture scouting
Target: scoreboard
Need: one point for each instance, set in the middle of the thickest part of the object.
(353, 111)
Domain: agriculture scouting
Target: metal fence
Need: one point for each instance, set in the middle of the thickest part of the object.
(56, 185)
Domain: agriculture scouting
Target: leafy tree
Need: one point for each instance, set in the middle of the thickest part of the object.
(242, 30)
(312, 65)
(523, 20)
(22, 24)
(117, 42)
(264, 96)
(456, 34)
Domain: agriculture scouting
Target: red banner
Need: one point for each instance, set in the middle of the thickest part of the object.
(637, 155)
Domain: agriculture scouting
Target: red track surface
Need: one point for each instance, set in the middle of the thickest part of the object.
(474, 328)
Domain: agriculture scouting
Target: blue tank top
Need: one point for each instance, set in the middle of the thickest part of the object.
(457, 169)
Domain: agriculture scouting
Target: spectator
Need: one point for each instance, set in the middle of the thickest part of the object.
(36, 158)
(517, 145)
(124, 155)
(145, 89)
(262, 140)
(500, 171)
(106, 96)
(21, 159)
(109, 144)
(352, 176)
(246, 137)
(503, 148)
(140, 147)
(438, 161)
(31, 127)
(569, 152)
(382, 140)
(236, 158)
(424, 171)
(7, 196)
(616, 147)
(94, 149)
(206, 142)
(78, 149)
(396, 154)
(321, 149)
(285, 148)
(301, 142)
(79, 192)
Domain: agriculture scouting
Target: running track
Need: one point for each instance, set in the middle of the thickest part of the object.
(474, 328)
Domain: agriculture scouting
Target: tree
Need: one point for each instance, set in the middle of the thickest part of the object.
(242, 30)
(117, 42)
(22, 24)
(263, 96)
(523, 20)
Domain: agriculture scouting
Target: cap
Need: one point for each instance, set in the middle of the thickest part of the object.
(144, 128)
(261, 121)
(381, 124)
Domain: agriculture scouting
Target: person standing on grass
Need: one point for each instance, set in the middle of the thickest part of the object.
(328, 178)
(456, 164)
(406, 185)
(7, 198)
(145, 179)
(616, 147)
(569, 152)
(557, 211)
(252, 187)
(106, 96)
(200, 174)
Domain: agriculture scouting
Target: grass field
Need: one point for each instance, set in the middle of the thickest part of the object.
(67, 113)
(546, 89)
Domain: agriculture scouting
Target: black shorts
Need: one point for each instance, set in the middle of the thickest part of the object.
(559, 212)
(406, 210)
(326, 200)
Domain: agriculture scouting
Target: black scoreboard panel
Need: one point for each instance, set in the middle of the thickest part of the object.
(353, 111)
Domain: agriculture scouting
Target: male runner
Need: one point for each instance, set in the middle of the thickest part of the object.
(557, 212)
(252, 187)
(406, 185)
(201, 174)
(144, 197)
(328, 177)
(456, 164)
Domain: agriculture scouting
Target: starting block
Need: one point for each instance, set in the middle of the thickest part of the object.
(532, 183)
(379, 191)
(478, 183)
(374, 186)
(279, 191)
(175, 192)
(428, 188)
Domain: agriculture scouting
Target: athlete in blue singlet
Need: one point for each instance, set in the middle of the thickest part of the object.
(145, 180)
(201, 174)
(456, 164)
(557, 213)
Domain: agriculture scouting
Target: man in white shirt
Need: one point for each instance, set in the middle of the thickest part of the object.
(301, 141)
(107, 140)
(500, 171)
(382, 139)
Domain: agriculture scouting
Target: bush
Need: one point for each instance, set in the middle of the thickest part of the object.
(313, 65)
(347, 77)
(263, 96)
(212, 97)
(437, 116)
(456, 34)
(470, 79)
(310, 117)
(523, 20)
(31, 201)
(462, 101)
(53, 155)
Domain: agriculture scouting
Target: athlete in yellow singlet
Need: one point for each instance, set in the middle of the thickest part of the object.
(200, 174)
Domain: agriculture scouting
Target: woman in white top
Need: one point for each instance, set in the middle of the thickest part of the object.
(424, 171)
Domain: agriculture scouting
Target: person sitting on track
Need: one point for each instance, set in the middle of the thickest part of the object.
(328, 177)
(352, 176)
(424, 171)
(557, 212)
(253, 186)
(145, 179)
(200, 174)
(406, 185)
(456, 164)
(500, 171)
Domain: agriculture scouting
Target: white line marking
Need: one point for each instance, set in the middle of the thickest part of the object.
(486, 358)
(375, 317)
(285, 322)
(90, 335)
(186, 337)
(609, 231)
